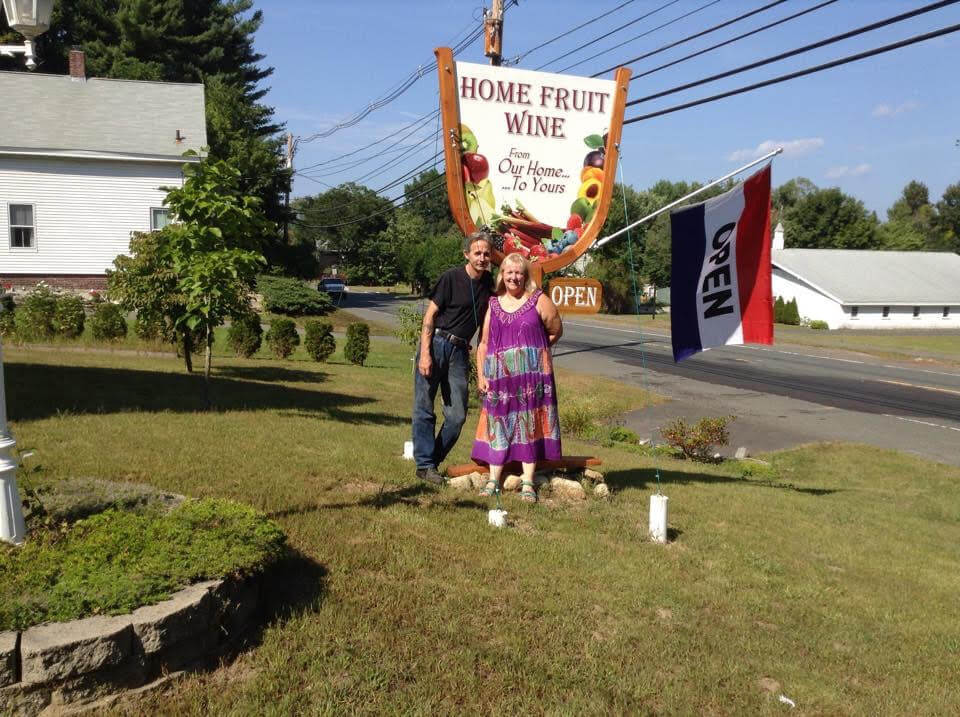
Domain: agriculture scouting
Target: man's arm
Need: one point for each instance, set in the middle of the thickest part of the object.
(482, 384)
(425, 365)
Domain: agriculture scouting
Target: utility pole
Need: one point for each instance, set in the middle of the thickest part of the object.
(493, 36)
(286, 195)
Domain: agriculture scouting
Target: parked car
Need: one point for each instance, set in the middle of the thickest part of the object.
(333, 286)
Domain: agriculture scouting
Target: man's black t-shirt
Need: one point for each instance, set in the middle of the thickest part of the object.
(462, 301)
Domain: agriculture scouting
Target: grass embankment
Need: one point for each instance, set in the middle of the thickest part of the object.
(833, 579)
(115, 561)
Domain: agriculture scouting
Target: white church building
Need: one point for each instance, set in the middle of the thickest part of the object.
(862, 289)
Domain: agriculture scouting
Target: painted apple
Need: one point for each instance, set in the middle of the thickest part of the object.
(477, 165)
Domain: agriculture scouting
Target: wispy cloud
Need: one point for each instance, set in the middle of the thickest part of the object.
(846, 171)
(791, 148)
(891, 110)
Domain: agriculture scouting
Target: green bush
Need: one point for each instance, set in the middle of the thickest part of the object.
(148, 328)
(282, 338)
(117, 561)
(697, 441)
(108, 323)
(68, 316)
(786, 312)
(319, 340)
(623, 435)
(819, 325)
(8, 323)
(282, 295)
(358, 343)
(245, 335)
(34, 316)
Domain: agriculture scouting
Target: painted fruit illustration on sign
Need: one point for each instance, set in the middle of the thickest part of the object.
(476, 182)
(516, 228)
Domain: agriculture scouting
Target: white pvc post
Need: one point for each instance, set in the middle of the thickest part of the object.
(12, 527)
(658, 518)
(408, 450)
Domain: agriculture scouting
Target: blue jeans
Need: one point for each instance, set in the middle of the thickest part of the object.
(449, 374)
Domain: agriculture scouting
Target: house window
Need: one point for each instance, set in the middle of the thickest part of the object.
(946, 312)
(22, 230)
(916, 312)
(886, 312)
(854, 310)
(159, 218)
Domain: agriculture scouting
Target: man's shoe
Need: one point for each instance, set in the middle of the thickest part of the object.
(431, 475)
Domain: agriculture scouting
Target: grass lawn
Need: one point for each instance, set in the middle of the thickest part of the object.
(833, 580)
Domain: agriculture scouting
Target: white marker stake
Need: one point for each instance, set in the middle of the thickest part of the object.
(658, 518)
(408, 450)
(497, 518)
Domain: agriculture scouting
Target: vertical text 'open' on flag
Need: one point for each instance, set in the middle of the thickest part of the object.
(720, 289)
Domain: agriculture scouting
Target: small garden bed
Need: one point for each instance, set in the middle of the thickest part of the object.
(113, 561)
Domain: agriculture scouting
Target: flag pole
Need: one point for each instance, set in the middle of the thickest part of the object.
(692, 194)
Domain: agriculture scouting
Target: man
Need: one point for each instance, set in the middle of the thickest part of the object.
(457, 306)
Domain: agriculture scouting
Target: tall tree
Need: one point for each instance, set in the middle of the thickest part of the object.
(430, 204)
(830, 219)
(911, 221)
(948, 220)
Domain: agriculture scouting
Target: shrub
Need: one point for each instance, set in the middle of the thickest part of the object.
(819, 325)
(697, 441)
(34, 316)
(778, 310)
(623, 435)
(148, 328)
(108, 323)
(358, 343)
(245, 335)
(319, 340)
(8, 325)
(282, 295)
(282, 338)
(409, 323)
(68, 316)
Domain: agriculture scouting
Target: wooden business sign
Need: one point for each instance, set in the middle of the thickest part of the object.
(577, 296)
(532, 156)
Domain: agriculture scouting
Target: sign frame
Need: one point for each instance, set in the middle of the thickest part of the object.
(576, 283)
(450, 113)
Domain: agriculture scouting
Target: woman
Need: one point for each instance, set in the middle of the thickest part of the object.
(515, 376)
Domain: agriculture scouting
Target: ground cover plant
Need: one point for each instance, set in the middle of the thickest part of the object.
(117, 560)
(829, 576)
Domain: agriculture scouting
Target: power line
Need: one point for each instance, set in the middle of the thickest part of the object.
(800, 73)
(608, 34)
(648, 32)
(797, 51)
(725, 42)
(722, 25)
(562, 35)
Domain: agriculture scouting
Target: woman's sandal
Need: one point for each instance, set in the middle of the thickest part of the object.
(489, 488)
(527, 492)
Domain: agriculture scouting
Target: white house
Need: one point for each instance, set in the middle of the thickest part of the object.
(854, 289)
(82, 163)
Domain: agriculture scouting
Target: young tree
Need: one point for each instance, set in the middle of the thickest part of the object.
(197, 271)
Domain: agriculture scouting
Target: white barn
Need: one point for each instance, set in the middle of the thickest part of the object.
(854, 289)
(81, 166)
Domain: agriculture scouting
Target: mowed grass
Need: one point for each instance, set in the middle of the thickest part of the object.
(834, 583)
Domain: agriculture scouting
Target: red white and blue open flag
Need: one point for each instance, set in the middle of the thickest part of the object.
(720, 290)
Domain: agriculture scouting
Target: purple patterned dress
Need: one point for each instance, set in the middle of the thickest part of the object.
(519, 417)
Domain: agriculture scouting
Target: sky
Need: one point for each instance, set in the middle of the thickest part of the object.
(867, 127)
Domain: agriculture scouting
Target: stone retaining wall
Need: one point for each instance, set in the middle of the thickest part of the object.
(48, 666)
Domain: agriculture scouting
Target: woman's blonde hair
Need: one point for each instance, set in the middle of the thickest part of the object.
(517, 260)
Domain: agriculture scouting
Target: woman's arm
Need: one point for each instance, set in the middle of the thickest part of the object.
(482, 353)
(550, 318)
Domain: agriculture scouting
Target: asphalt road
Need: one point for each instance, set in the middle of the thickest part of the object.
(782, 395)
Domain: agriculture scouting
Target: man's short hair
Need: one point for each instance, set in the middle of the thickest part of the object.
(469, 240)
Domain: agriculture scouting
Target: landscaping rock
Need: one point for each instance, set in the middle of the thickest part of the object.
(20, 699)
(460, 483)
(62, 650)
(601, 490)
(478, 480)
(542, 478)
(512, 482)
(567, 489)
(183, 616)
(593, 475)
(8, 658)
(94, 685)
